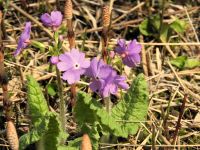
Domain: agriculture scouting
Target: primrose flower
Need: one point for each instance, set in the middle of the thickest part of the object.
(54, 60)
(129, 53)
(74, 64)
(112, 83)
(23, 39)
(53, 20)
(98, 71)
(105, 80)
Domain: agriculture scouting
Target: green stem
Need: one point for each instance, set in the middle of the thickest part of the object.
(40, 144)
(161, 18)
(62, 101)
(108, 104)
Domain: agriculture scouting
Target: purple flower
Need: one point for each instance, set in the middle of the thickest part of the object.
(54, 60)
(105, 80)
(129, 53)
(112, 83)
(23, 39)
(73, 64)
(98, 71)
(53, 20)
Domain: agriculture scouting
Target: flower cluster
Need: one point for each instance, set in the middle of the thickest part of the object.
(129, 52)
(105, 80)
(73, 64)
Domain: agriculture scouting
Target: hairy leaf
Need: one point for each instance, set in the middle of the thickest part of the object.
(133, 107)
(54, 134)
(36, 101)
(34, 135)
(46, 125)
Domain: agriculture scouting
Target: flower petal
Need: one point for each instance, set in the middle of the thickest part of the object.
(121, 46)
(133, 47)
(63, 66)
(95, 86)
(71, 76)
(46, 20)
(56, 18)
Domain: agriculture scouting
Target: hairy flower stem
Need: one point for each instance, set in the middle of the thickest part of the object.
(62, 101)
(40, 144)
(108, 104)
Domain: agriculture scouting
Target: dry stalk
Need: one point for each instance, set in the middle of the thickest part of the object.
(71, 38)
(105, 31)
(7, 105)
(178, 125)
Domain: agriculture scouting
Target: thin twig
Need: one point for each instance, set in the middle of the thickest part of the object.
(178, 125)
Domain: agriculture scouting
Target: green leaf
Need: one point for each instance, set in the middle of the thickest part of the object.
(179, 26)
(51, 89)
(179, 61)
(144, 28)
(49, 131)
(36, 101)
(34, 135)
(54, 134)
(38, 45)
(192, 63)
(134, 107)
(164, 34)
(46, 125)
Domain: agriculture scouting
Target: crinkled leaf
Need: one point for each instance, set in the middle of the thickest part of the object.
(133, 107)
(179, 26)
(34, 135)
(179, 61)
(192, 63)
(51, 133)
(54, 134)
(36, 101)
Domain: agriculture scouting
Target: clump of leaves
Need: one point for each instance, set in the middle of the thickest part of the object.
(45, 127)
(96, 119)
(152, 27)
(90, 115)
(183, 62)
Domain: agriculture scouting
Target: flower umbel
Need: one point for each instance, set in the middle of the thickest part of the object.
(74, 64)
(53, 20)
(23, 39)
(129, 53)
(105, 80)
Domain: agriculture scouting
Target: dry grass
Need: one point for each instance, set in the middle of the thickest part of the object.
(167, 85)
